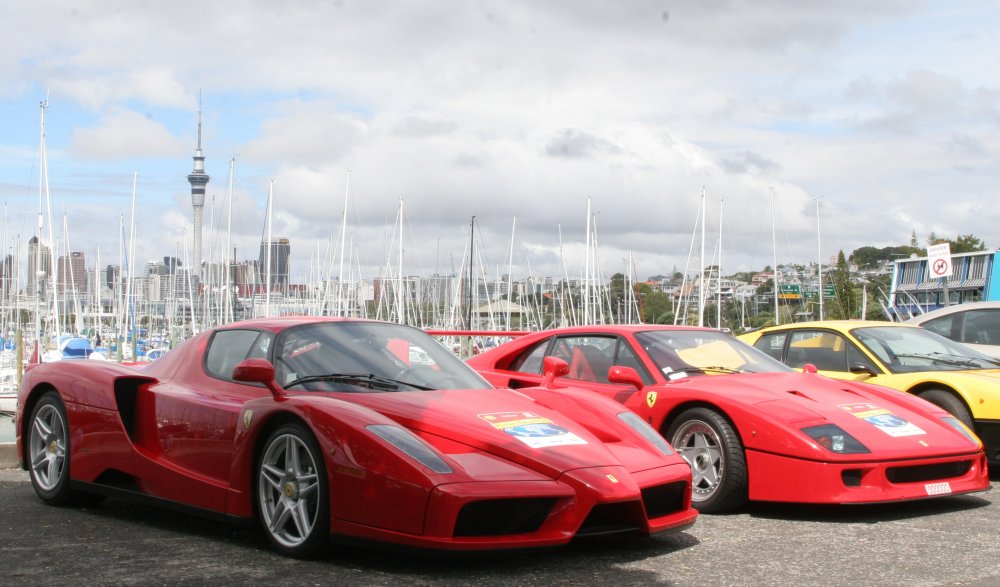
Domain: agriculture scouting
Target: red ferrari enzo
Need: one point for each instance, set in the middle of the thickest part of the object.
(352, 428)
(750, 427)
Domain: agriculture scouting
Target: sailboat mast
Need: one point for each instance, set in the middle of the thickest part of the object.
(227, 292)
(586, 273)
(400, 292)
(701, 273)
(819, 262)
(36, 278)
(774, 254)
(343, 240)
(472, 244)
(718, 274)
(267, 253)
(510, 274)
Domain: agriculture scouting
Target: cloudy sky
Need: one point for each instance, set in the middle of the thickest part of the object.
(516, 112)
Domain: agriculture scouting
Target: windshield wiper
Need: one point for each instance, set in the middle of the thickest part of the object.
(370, 380)
(960, 360)
(937, 357)
(714, 369)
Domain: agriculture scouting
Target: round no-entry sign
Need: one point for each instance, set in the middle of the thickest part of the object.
(940, 266)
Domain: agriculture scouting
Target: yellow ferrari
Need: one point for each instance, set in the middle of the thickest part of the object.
(901, 356)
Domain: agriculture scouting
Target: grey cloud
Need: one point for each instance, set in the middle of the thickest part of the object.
(748, 161)
(575, 144)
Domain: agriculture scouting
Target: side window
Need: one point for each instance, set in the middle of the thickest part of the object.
(626, 357)
(982, 327)
(826, 350)
(855, 357)
(590, 357)
(531, 360)
(229, 347)
(943, 326)
(772, 344)
(261, 347)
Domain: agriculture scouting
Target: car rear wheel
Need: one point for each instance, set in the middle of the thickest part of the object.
(951, 404)
(709, 444)
(292, 496)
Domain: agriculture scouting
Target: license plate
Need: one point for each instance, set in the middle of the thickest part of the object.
(938, 488)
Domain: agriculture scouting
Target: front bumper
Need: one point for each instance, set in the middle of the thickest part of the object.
(787, 479)
(515, 515)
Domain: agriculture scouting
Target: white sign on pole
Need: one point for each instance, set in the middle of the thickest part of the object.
(939, 260)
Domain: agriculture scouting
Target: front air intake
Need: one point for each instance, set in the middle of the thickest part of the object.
(661, 500)
(611, 518)
(501, 517)
(922, 473)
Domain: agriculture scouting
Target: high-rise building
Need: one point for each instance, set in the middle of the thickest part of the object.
(280, 248)
(71, 273)
(198, 180)
(7, 275)
(39, 266)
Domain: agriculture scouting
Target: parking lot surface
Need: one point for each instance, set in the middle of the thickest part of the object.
(950, 541)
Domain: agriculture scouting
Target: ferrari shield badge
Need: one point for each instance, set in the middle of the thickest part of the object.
(247, 416)
(651, 398)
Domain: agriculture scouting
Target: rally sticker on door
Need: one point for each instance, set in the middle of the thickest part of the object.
(883, 419)
(531, 429)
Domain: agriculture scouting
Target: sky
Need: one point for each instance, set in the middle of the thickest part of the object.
(382, 128)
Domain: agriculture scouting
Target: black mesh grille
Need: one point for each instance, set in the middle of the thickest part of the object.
(922, 473)
(607, 518)
(664, 499)
(499, 517)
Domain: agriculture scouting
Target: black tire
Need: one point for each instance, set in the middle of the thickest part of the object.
(950, 403)
(48, 450)
(711, 446)
(48, 446)
(292, 495)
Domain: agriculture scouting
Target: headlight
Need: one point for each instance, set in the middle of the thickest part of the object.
(410, 444)
(963, 430)
(834, 439)
(647, 432)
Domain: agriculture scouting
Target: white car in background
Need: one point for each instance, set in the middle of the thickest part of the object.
(976, 324)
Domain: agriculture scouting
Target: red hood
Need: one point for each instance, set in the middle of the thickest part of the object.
(502, 422)
(891, 424)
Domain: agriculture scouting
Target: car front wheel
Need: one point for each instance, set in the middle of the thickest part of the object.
(711, 446)
(292, 496)
(949, 403)
(48, 450)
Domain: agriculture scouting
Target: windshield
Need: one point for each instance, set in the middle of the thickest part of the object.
(908, 350)
(367, 357)
(677, 352)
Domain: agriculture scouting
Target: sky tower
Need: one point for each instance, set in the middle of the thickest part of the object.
(198, 180)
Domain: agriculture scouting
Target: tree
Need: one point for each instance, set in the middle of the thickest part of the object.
(844, 297)
(965, 243)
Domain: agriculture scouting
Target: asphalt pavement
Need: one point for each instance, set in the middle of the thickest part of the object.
(949, 541)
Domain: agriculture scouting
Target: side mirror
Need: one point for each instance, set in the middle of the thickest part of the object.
(258, 371)
(808, 368)
(862, 369)
(627, 375)
(553, 367)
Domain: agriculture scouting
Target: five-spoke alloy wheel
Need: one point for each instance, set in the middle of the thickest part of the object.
(48, 450)
(292, 496)
(709, 444)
